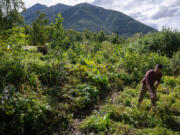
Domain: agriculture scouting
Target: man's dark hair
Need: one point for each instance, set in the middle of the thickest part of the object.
(159, 66)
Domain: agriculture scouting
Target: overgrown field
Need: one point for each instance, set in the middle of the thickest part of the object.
(44, 93)
(120, 115)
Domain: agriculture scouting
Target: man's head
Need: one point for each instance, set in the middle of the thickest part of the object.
(158, 67)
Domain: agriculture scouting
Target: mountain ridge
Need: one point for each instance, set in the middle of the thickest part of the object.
(86, 16)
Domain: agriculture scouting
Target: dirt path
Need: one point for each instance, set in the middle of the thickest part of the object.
(78, 121)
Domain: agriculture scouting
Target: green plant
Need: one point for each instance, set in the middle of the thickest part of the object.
(29, 114)
(96, 124)
(84, 95)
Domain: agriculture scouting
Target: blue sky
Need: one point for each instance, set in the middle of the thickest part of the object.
(156, 13)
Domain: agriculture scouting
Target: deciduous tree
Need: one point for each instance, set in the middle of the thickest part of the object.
(9, 13)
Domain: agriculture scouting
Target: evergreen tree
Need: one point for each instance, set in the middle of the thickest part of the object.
(59, 39)
(39, 33)
(101, 36)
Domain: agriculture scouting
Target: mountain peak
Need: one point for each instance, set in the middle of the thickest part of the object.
(84, 4)
(60, 4)
(37, 5)
(87, 16)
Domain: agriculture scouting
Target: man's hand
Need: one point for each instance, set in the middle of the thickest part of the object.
(152, 95)
(157, 84)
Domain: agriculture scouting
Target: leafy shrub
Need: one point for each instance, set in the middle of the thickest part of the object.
(84, 95)
(89, 71)
(175, 63)
(96, 124)
(165, 42)
(50, 74)
(59, 40)
(29, 114)
(115, 81)
(100, 81)
(132, 70)
(169, 81)
(12, 71)
(15, 37)
(123, 129)
(135, 117)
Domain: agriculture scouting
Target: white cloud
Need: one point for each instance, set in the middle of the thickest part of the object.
(171, 3)
(156, 13)
(163, 12)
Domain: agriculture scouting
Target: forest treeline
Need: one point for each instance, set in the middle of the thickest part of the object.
(43, 93)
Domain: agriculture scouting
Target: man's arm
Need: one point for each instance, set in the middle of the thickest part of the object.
(149, 85)
(158, 81)
(151, 90)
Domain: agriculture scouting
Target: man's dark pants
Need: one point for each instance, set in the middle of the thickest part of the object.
(143, 92)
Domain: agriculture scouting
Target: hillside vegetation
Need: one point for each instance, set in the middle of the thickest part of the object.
(85, 83)
(86, 16)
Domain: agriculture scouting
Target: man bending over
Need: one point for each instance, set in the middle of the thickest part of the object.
(150, 82)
